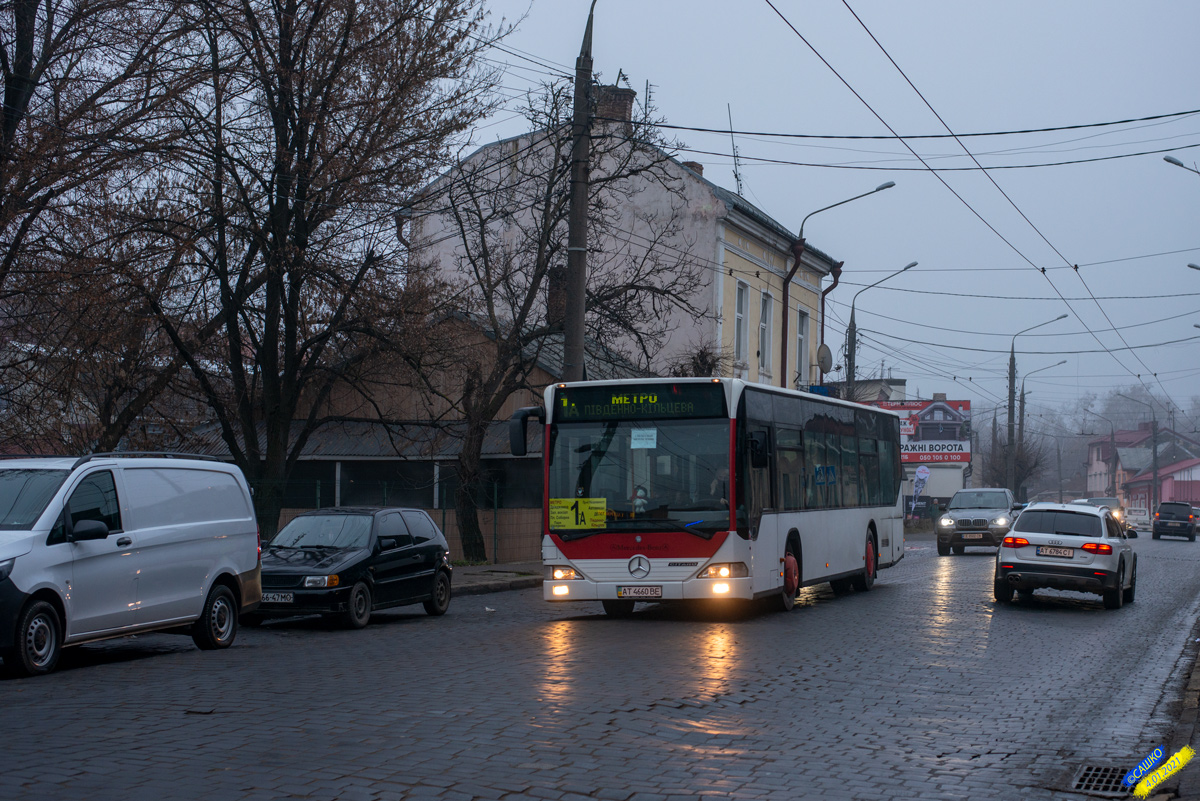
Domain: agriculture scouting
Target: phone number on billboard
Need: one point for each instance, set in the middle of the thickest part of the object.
(936, 457)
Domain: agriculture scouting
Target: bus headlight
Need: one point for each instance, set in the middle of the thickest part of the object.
(725, 570)
(560, 573)
(561, 589)
(721, 589)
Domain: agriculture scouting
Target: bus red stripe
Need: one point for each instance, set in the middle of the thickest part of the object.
(655, 544)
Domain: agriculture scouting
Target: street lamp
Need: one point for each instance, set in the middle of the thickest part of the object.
(1153, 453)
(1010, 464)
(1194, 266)
(1021, 416)
(852, 331)
(1178, 163)
(1112, 453)
(797, 255)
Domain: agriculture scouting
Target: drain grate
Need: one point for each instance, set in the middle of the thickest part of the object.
(1101, 780)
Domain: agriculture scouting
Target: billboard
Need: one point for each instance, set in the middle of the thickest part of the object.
(932, 432)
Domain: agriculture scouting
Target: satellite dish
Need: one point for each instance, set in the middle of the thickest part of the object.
(824, 358)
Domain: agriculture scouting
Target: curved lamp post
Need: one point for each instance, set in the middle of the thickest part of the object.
(1010, 463)
(1178, 163)
(852, 331)
(797, 254)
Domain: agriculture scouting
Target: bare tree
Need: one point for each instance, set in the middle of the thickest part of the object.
(505, 209)
(89, 87)
(315, 122)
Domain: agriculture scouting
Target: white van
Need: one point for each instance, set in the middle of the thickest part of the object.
(115, 544)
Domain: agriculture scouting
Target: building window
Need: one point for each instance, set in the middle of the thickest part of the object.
(801, 349)
(740, 331)
(764, 335)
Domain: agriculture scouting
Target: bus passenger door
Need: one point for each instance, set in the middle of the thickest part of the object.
(760, 507)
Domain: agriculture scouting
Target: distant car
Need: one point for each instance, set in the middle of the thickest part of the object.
(975, 517)
(1113, 504)
(1077, 547)
(1175, 519)
(346, 562)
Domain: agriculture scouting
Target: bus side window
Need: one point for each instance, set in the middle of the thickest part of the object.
(868, 468)
(849, 482)
(790, 468)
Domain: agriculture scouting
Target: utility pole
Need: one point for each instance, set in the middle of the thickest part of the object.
(1010, 465)
(581, 154)
(1154, 458)
(1058, 448)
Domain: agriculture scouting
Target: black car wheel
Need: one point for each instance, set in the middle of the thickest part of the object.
(218, 623)
(439, 602)
(358, 607)
(1002, 591)
(39, 641)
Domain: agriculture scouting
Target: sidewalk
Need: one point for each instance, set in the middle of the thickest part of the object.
(480, 579)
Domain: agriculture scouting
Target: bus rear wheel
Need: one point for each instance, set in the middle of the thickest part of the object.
(791, 579)
(866, 580)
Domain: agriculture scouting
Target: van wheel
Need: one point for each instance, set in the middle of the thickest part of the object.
(358, 607)
(218, 623)
(38, 643)
(866, 580)
(439, 602)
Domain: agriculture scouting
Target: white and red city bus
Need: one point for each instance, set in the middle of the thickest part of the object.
(640, 477)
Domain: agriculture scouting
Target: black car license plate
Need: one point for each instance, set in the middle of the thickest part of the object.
(278, 597)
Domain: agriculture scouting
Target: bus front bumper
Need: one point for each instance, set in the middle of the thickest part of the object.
(693, 589)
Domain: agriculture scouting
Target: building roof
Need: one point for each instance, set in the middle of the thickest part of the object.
(404, 440)
(1164, 470)
(1134, 460)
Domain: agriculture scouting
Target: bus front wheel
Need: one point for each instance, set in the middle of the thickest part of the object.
(866, 579)
(791, 579)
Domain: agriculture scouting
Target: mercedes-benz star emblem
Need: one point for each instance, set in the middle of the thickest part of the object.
(639, 567)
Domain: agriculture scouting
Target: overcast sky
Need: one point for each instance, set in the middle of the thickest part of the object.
(983, 67)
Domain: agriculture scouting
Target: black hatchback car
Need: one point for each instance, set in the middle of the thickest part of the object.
(348, 561)
(1175, 519)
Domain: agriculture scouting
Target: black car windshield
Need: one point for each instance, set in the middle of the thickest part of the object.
(644, 475)
(981, 499)
(1053, 521)
(325, 531)
(24, 495)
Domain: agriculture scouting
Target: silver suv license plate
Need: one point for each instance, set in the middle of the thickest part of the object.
(639, 592)
(1047, 551)
(977, 535)
(277, 597)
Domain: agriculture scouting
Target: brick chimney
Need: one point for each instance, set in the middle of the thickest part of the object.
(615, 103)
(939, 396)
(694, 166)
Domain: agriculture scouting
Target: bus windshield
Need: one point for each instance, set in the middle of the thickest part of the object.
(639, 475)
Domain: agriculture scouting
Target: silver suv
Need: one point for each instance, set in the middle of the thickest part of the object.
(975, 517)
(1067, 547)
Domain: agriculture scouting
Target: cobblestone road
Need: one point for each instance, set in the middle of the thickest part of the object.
(921, 688)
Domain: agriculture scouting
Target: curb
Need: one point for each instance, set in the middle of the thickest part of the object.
(503, 585)
(1185, 729)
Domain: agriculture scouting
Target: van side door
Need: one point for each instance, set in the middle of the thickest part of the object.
(104, 572)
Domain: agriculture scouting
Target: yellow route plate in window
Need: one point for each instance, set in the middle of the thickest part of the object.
(577, 512)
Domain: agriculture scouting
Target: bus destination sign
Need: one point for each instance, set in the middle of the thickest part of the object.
(644, 402)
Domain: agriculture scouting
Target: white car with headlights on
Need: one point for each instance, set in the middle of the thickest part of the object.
(1067, 547)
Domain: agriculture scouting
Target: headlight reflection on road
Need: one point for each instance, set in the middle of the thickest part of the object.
(556, 688)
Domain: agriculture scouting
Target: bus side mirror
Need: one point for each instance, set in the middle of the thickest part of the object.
(517, 426)
(758, 448)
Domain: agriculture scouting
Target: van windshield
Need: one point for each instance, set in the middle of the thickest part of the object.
(24, 495)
